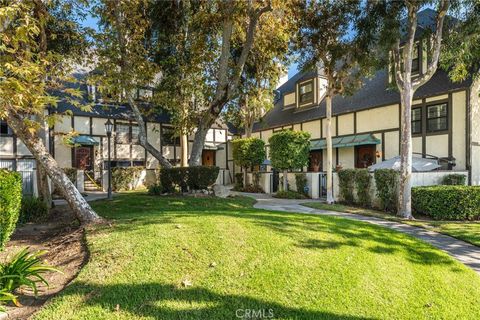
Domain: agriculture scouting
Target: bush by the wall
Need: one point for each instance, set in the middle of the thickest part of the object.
(346, 179)
(10, 202)
(447, 202)
(238, 181)
(123, 178)
(454, 179)
(193, 178)
(362, 185)
(386, 181)
(33, 210)
(202, 177)
(155, 189)
(301, 182)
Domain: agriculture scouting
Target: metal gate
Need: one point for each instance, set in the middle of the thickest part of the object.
(322, 185)
(26, 168)
(275, 180)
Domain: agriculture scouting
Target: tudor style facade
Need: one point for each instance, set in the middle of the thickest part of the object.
(366, 126)
(88, 150)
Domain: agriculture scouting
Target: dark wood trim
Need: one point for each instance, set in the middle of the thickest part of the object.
(383, 146)
(468, 137)
(365, 132)
(321, 128)
(336, 126)
(369, 108)
(72, 122)
(355, 122)
(450, 125)
(336, 156)
(161, 135)
(90, 121)
(114, 139)
(15, 151)
(424, 128)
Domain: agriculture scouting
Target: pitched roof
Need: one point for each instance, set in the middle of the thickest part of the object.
(374, 92)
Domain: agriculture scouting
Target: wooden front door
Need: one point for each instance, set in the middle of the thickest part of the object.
(208, 157)
(315, 161)
(83, 158)
(365, 155)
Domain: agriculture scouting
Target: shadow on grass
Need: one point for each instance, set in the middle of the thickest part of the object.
(162, 301)
(136, 212)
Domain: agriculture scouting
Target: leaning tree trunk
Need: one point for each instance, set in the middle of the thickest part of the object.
(204, 125)
(405, 186)
(77, 203)
(329, 149)
(43, 187)
(142, 135)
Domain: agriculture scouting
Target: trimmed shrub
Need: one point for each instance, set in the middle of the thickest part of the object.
(238, 181)
(362, 185)
(386, 181)
(33, 210)
(289, 195)
(193, 178)
(155, 189)
(123, 178)
(346, 184)
(251, 188)
(447, 202)
(10, 203)
(454, 179)
(202, 177)
(301, 183)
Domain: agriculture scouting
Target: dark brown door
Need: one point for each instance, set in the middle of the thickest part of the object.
(365, 156)
(83, 158)
(208, 157)
(315, 162)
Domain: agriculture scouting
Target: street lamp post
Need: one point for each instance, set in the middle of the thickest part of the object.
(108, 129)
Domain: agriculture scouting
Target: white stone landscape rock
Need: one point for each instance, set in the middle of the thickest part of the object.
(221, 191)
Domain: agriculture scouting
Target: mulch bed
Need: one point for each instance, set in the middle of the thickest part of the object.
(64, 242)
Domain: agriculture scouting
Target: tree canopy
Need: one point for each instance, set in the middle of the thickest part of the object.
(289, 149)
(248, 152)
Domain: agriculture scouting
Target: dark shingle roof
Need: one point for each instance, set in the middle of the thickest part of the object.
(374, 92)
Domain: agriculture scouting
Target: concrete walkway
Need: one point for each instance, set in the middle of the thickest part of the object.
(89, 196)
(464, 252)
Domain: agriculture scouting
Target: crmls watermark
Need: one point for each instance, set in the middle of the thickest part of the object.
(254, 313)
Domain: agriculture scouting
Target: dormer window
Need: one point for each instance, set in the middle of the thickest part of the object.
(305, 91)
(416, 59)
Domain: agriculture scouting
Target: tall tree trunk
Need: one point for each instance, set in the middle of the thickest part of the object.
(330, 199)
(142, 135)
(77, 203)
(285, 180)
(204, 125)
(43, 187)
(184, 150)
(405, 186)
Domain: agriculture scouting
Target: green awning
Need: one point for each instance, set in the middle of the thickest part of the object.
(84, 141)
(345, 141)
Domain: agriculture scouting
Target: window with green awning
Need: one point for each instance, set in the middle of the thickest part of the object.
(345, 141)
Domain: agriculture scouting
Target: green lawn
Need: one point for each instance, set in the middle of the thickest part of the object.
(297, 266)
(468, 231)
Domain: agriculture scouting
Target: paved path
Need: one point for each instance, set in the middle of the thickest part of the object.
(464, 252)
(89, 196)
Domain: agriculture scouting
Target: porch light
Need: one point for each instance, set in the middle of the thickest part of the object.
(108, 127)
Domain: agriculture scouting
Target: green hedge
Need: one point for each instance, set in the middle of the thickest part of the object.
(184, 178)
(33, 210)
(454, 179)
(447, 202)
(123, 178)
(386, 181)
(10, 202)
(346, 178)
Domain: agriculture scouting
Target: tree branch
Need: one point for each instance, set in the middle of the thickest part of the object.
(437, 43)
(254, 17)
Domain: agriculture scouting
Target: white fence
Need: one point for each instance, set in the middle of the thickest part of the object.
(316, 182)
